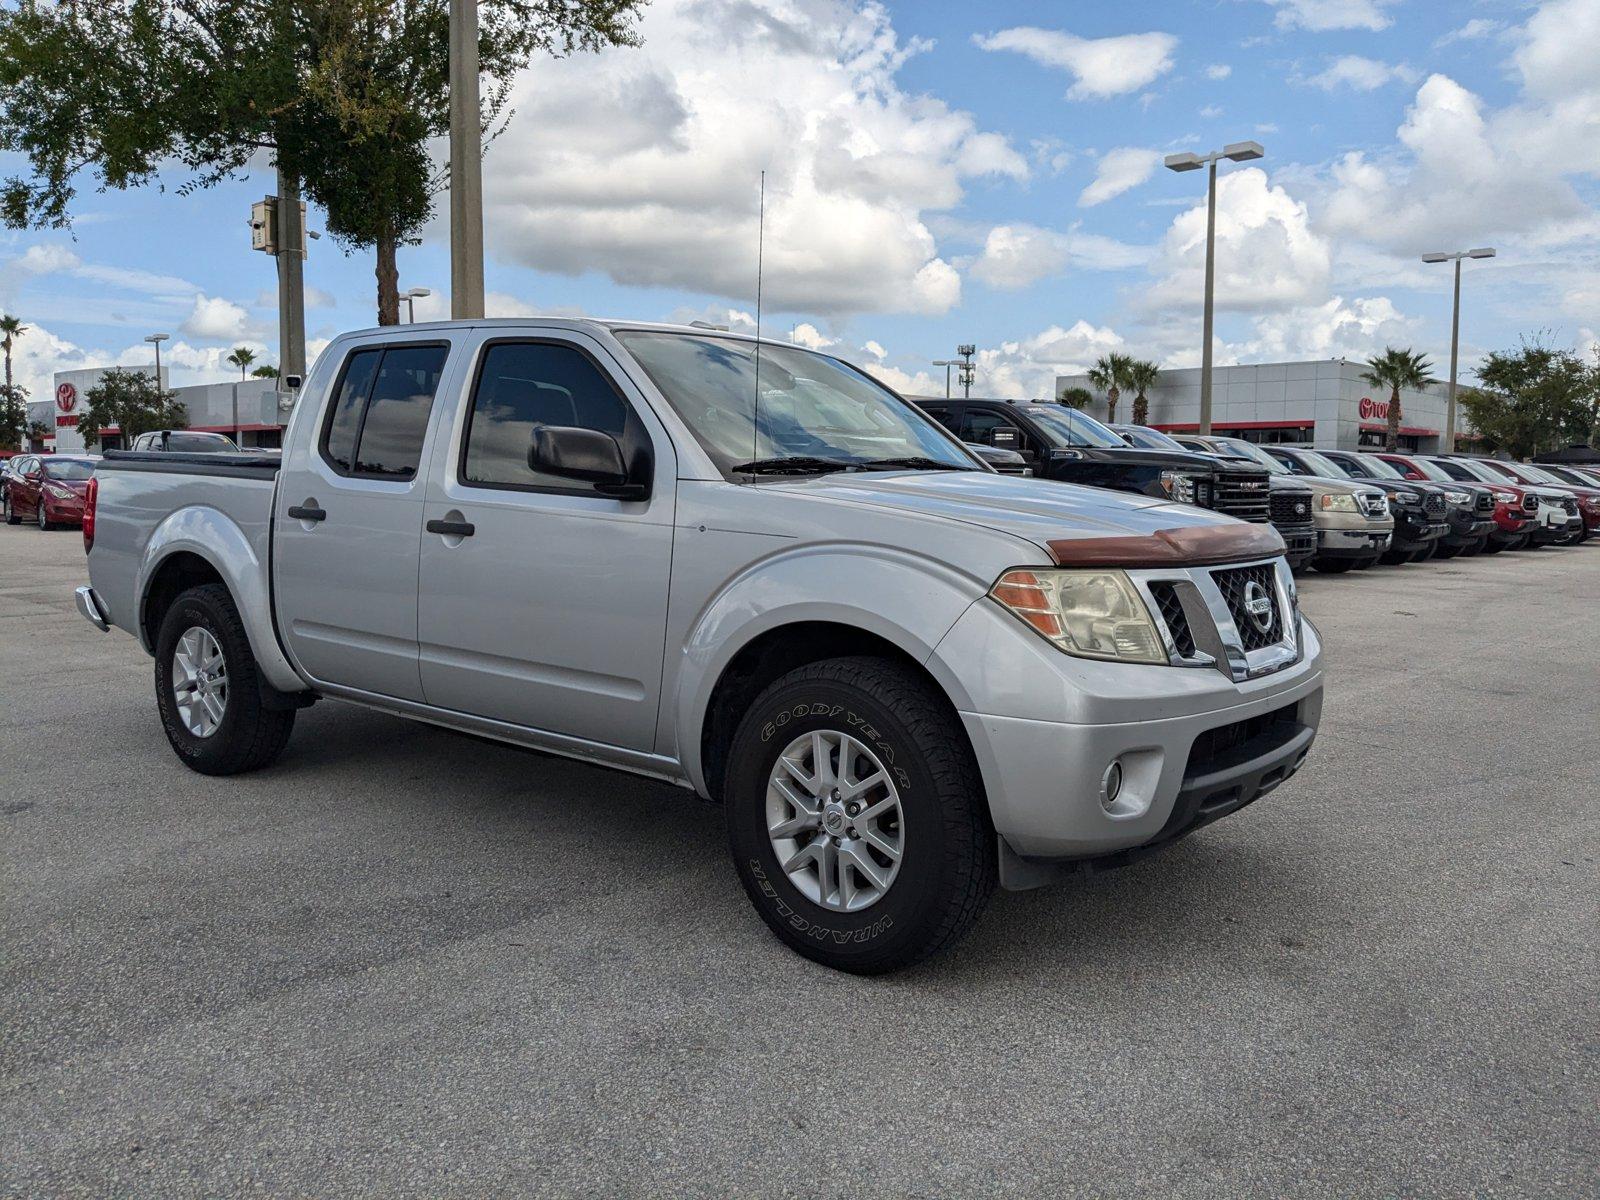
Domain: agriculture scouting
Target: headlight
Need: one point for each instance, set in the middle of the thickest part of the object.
(1091, 614)
(1457, 498)
(1592, 502)
(1404, 498)
(1179, 486)
(59, 492)
(1505, 497)
(1339, 502)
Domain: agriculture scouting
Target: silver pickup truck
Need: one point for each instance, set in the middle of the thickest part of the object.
(748, 570)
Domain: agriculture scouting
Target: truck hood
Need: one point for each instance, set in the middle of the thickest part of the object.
(1039, 510)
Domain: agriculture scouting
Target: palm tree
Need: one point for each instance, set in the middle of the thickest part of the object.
(1110, 375)
(10, 329)
(1076, 397)
(1396, 369)
(242, 357)
(1142, 375)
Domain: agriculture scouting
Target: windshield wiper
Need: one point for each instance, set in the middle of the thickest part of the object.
(794, 464)
(913, 462)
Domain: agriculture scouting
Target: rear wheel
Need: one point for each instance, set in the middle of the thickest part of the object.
(208, 688)
(856, 817)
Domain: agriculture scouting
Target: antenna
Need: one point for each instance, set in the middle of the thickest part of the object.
(761, 249)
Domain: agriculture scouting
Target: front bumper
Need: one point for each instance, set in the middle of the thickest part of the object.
(1467, 532)
(63, 512)
(1353, 543)
(1299, 544)
(1417, 534)
(1057, 723)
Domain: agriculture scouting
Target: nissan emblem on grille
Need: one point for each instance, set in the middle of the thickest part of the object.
(1259, 605)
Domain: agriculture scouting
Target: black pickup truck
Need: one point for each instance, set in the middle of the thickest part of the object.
(1062, 443)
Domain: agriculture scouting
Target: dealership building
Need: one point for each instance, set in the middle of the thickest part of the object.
(1322, 403)
(252, 411)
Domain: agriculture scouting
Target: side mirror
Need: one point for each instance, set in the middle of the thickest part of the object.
(587, 455)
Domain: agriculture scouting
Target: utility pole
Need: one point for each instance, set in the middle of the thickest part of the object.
(1238, 152)
(291, 241)
(466, 165)
(967, 370)
(1449, 438)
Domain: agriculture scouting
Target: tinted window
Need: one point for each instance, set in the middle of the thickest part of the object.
(379, 416)
(198, 443)
(344, 419)
(524, 385)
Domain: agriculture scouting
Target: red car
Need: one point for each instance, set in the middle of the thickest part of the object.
(1587, 493)
(1514, 522)
(48, 489)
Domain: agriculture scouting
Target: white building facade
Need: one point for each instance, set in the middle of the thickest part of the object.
(1322, 403)
(248, 411)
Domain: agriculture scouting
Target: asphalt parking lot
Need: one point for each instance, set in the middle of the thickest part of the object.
(402, 962)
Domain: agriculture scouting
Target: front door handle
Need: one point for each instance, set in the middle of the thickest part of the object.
(452, 528)
(299, 512)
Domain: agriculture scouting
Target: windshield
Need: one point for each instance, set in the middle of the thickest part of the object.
(71, 470)
(1068, 427)
(1433, 471)
(199, 443)
(1379, 468)
(814, 411)
(1151, 439)
(1538, 473)
(1244, 449)
(1477, 472)
(1493, 470)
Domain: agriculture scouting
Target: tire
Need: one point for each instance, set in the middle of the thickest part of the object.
(1335, 566)
(1492, 547)
(248, 735)
(894, 722)
(40, 519)
(1395, 558)
(1423, 555)
(1443, 551)
(1365, 564)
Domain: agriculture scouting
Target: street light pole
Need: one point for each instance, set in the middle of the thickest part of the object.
(410, 298)
(1455, 334)
(466, 165)
(155, 339)
(1238, 152)
(946, 363)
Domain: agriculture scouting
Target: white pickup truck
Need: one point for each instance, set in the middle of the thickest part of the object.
(751, 571)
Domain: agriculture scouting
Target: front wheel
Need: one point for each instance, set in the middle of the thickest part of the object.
(39, 515)
(207, 688)
(856, 816)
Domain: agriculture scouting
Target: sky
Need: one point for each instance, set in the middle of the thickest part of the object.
(946, 172)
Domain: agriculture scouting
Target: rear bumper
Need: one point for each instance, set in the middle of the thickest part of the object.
(90, 608)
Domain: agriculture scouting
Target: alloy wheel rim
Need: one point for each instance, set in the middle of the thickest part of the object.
(834, 820)
(200, 681)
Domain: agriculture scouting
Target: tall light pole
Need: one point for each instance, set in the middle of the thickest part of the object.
(1238, 152)
(1455, 333)
(155, 339)
(466, 165)
(967, 370)
(947, 363)
(410, 298)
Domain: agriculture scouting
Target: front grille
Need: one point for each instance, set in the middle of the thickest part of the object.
(1433, 504)
(1485, 503)
(1530, 502)
(1166, 597)
(1243, 494)
(1371, 503)
(1213, 748)
(1570, 504)
(1245, 586)
(1291, 506)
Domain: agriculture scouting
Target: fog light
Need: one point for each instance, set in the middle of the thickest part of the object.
(1111, 786)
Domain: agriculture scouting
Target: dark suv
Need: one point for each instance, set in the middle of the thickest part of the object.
(1062, 443)
(1468, 507)
(1419, 508)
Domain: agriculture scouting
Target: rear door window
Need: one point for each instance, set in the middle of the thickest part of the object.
(378, 419)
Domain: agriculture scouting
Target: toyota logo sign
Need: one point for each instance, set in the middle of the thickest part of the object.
(66, 397)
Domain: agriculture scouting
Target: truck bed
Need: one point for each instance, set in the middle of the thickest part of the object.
(260, 466)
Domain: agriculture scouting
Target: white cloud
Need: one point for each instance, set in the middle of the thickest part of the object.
(1018, 255)
(1100, 67)
(643, 164)
(1218, 71)
(1475, 29)
(1026, 369)
(1333, 329)
(1361, 74)
(808, 335)
(1119, 171)
(214, 318)
(1211, 111)
(1267, 255)
(1322, 15)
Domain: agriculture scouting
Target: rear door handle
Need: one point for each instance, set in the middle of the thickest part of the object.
(301, 513)
(452, 528)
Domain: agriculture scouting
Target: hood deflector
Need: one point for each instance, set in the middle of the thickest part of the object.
(1186, 546)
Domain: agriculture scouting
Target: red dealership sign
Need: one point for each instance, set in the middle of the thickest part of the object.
(66, 397)
(1370, 409)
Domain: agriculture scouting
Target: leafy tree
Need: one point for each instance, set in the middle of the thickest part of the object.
(241, 357)
(1076, 397)
(13, 416)
(1396, 369)
(1110, 375)
(345, 95)
(1533, 399)
(1142, 376)
(131, 401)
(264, 371)
(10, 330)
